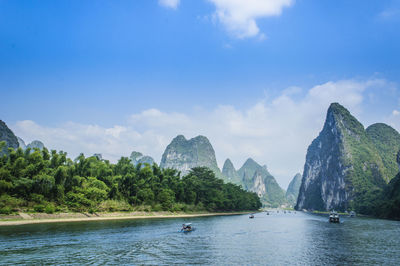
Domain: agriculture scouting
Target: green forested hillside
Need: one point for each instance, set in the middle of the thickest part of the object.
(49, 181)
(387, 142)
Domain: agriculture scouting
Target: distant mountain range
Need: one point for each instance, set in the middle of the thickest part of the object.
(347, 167)
(183, 154)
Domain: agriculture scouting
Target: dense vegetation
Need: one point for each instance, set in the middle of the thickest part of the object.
(39, 180)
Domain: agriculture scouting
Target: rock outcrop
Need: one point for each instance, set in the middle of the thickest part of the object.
(35, 144)
(292, 191)
(344, 167)
(8, 136)
(230, 174)
(139, 158)
(21, 143)
(182, 154)
(256, 178)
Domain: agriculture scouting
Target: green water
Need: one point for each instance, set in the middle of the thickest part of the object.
(276, 239)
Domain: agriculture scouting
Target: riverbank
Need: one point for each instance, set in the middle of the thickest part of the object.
(36, 218)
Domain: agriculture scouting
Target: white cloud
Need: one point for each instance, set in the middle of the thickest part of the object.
(239, 17)
(389, 14)
(169, 3)
(274, 131)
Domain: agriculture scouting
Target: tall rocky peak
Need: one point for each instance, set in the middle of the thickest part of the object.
(137, 157)
(21, 143)
(229, 172)
(183, 155)
(256, 178)
(341, 164)
(35, 144)
(292, 191)
(8, 136)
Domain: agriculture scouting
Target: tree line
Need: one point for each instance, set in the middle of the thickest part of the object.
(49, 181)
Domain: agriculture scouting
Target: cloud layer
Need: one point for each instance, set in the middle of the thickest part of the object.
(239, 17)
(169, 3)
(274, 131)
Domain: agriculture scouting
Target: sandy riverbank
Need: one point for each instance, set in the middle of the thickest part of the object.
(36, 218)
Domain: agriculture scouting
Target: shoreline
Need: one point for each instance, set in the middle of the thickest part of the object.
(55, 218)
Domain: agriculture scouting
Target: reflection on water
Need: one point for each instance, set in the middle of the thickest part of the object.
(268, 239)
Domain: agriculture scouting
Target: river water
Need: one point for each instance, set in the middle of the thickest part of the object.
(275, 239)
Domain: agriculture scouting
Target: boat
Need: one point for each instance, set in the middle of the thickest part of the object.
(352, 214)
(187, 228)
(334, 217)
(251, 216)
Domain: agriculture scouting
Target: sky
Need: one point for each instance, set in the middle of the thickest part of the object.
(256, 77)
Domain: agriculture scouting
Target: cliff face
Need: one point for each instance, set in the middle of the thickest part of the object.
(21, 143)
(8, 136)
(183, 155)
(292, 191)
(256, 178)
(230, 173)
(342, 165)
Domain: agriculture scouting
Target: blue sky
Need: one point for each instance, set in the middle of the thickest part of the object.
(151, 69)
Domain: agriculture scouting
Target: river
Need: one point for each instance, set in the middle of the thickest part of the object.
(275, 239)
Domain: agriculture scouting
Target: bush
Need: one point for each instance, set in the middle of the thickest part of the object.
(177, 207)
(39, 208)
(5, 210)
(5, 186)
(49, 208)
(11, 202)
(37, 198)
(157, 208)
(114, 205)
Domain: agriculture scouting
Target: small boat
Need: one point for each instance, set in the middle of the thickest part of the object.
(267, 213)
(334, 217)
(187, 228)
(251, 216)
(352, 214)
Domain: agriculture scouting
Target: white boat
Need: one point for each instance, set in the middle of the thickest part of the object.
(334, 217)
